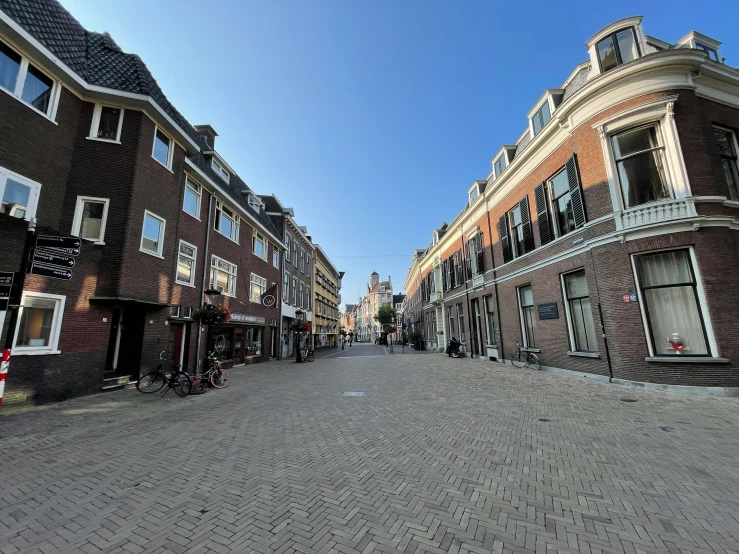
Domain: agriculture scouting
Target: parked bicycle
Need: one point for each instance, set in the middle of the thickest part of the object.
(156, 380)
(520, 357)
(307, 354)
(214, 373)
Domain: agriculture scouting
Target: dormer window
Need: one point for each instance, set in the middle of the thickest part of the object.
(499, 164)
(220, 170)
(541, 118)
(712, 52)
(473, 194)
(255, 202)
(434, 238)
(618, 48)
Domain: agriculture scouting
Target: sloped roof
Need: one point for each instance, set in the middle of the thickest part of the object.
(376, 288)
(97, 59)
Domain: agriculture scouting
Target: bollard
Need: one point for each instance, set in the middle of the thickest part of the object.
(4, 363)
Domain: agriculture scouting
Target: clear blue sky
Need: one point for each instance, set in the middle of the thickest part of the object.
(373, 118)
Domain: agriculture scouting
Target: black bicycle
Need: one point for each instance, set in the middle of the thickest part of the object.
(156, 380)
(307, 354)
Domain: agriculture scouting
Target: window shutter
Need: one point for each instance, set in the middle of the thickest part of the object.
(443, 276)
(578, 206)
(468, 261)
(460, 267)
(542, 213)
(504, 242)
(528, 235)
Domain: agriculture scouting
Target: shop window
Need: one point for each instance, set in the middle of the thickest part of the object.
(254, 341)
(528, 316)
(40, 323)
(579, 312)
(671, 305)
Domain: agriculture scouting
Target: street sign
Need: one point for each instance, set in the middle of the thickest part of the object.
(6, 278)
(548, 311)
(47, 241)
(50, 271)
(63, 251)
(6, 286)
(52, 257)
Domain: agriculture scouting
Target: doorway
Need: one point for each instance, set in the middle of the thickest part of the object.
(175, 344)
(238, 356)
(125, 341)
(477, 327)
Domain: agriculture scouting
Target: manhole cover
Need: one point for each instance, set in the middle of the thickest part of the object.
(628, 400)
(352, 394)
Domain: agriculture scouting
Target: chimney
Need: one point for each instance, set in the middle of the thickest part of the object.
(209, 133)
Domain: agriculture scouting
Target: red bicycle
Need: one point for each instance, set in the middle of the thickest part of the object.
(213, 373)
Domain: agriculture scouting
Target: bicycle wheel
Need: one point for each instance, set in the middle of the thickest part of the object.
(181, 383)
(533, 361)
(518, 358)
(220, 378)
(151, 382)
(310, 357)
(199, 386)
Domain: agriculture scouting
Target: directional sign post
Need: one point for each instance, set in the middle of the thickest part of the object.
(52, 257)
(6, 286)
(46, 241)
(50, 271)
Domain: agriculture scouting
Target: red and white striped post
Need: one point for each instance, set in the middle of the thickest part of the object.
(4, 363)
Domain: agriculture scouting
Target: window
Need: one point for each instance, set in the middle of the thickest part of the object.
(499, 165)
(25, 81)
(460, 320)
(307, 264)
(669, 296)
(107, 122)
(186, 264)
(288, 240)
(174, 311)
(301, 295)
(302, 260)
(295, 254)
(40, 322)
(223, 276)
(490, 319)
(541, 117)
(452, 332)
(162, 150)
(528, 316)
(559, 203)
(227, 222)
(220, 170)
(712, 53)
(259, 245)
(257, 289)
(275, 256)
(617, 48)
(726, 142)
(515, 227)
(285, 287)
(152, 234)
(473, 194)
(579, 312)
(639, 157)
(90, 217)
(191, 200)
(307, 297)
(294, 292)
(254, 202)
(18, 195)
(187, 312)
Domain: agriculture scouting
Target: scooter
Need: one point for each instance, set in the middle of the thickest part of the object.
(452, 349)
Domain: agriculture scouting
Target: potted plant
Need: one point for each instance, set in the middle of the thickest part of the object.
(212, 315)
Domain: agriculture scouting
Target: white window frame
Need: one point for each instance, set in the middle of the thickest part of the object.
(194, 259)
(660, 113)
(232, 275)
(170, 151)
(77, 221)
(302, 261)
(33, 196)
(702, 304)
(275, 257)
(97, 112)
(20, 82)
(549, 101)
(220, 170)
(308, 299)
(257, 236)
(236, 221)
(473, 194)
(522, 322)
(256, 280)
(301, 294)
(255, 202)
(197, 190)
(286, 287)
(568, 312)
(56, 326)
(162, 234)
(295, 254)
(294, 292)
(288, 240)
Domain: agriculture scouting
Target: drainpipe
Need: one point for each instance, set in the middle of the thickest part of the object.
(602, 324)
(205, 276)
(501, 351)
(466, 291)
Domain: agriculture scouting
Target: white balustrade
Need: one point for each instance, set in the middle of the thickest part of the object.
(657, 212)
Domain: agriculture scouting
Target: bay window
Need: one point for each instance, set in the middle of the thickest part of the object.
(579, 312)
(672, 310)
(223, 276)
(639, 156)
(528, 316)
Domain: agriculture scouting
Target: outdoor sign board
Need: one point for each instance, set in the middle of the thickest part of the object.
(50, 271)
(243, 318)
(51, 257)
(46, 241)
(548, 311)
(6, 285)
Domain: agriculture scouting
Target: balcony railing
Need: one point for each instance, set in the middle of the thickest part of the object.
(477, 280)
(657, 212)
(436, 297)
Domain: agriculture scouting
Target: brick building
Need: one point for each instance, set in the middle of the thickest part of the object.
(91, 147)
(326, 300)
(617, 204)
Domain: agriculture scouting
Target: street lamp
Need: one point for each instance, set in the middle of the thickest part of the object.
(210, 297)
(299, 317)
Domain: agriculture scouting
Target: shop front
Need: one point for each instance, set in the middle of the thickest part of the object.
(245, 339)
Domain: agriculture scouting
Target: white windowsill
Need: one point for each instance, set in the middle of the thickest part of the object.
(185, 284)
(682, 359)
(23, 352)
(583, 354)
(150, 253)
(109, 141)
(27, 105)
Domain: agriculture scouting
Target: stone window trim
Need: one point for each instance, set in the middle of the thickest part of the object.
(56, 325)
(78, 216)
(661, 113)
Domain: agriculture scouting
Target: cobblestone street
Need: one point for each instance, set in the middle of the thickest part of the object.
(440, 455)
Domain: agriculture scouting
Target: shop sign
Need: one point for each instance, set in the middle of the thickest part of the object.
(548, 311)
(244, 318)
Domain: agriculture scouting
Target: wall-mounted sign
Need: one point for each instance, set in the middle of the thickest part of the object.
(51, 257)
(244, 318)
(631, 297)
(548, 311)
(578, 240)
(45, 241)
(50, 271)
(6, 278)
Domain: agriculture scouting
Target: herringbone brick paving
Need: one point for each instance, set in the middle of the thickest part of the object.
(441, 455)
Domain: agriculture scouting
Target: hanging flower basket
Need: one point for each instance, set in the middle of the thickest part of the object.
(299, 325)
(212, 316)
